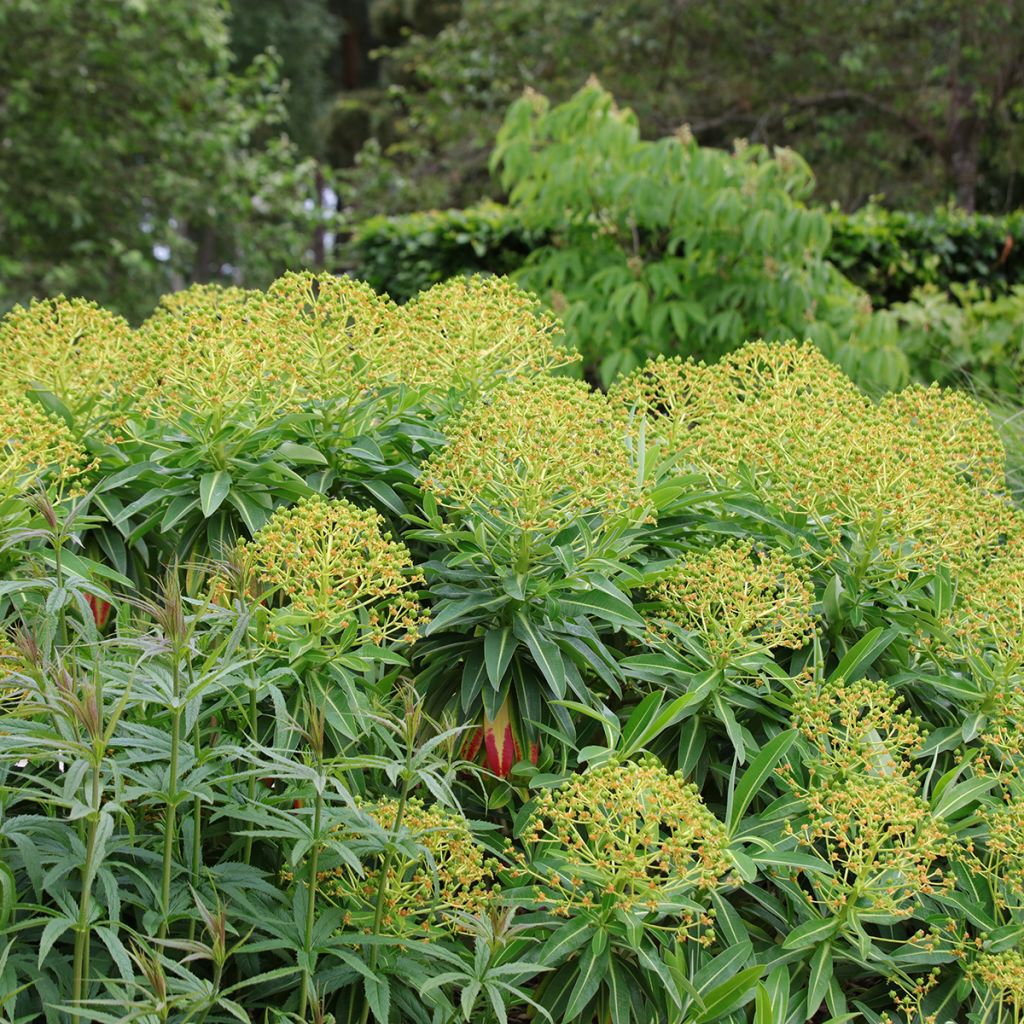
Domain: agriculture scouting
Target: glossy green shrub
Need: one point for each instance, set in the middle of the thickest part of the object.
(664, 246)
(405, 255)
(888, 253)
(891, 253)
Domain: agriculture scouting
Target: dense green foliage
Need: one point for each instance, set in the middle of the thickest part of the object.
(921, 102)
(668, 247)
(133, 161)
(661, 247)
(358, 664)
(407, 254)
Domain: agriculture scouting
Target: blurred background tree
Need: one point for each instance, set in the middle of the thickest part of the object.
(920, 100)
(145, 144)
(133, 159)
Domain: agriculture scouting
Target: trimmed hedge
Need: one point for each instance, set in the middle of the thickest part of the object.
(887, 253)
(407, 254)
(890, 253)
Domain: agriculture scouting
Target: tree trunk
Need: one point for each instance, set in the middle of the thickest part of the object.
(962, 148)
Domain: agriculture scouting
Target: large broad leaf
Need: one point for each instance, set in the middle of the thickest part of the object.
(810, 933)
(863, 654)
(213, 489)
(591, 971)
(546, 654)
(568, 938)
(755, 777)
(499, 646)
(599, 605)
(730, 995)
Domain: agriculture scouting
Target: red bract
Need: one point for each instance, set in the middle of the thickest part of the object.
(100, 610)
(503, 748)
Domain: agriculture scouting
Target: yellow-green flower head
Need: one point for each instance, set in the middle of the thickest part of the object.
(535, 455)
(1000, 975)
(1004, 845)
(737, 599)
(816, 445)
(957, 429)
(988, 618)
(335, 335)
(12, 662)
(858, 727)
(36, 447)
(338, 575)
(206, 352)
(448, 878)
(633, 832)
(69, 347)
(880, 838)
(470, 331)
(201, 298)
(864, 811)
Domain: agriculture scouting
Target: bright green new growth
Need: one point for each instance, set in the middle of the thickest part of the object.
(469, 333)
(634, 833)
(444, 879)
(35, 445)
(730, 656)
(664, 245)
(70, 348)
(814, 444)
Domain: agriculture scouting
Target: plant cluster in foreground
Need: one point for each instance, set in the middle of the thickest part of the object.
(357, 664)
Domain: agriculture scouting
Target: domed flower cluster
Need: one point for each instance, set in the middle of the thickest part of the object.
(988, 618)
(536, 455)
(336, 574)
(334, 335)
(863, 809)
(205, 353)
(471, 331)
(955, 428)
(439, 877)
(320, 337)
(1003, 861)
(736, 599)
(69, 347)
(35, 445)
(816, 445)
(1000, 976)
(860, 726)
(11, 663)
(631, 835)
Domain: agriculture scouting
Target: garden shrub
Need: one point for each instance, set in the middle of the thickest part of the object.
(377, 670)
(664, 246)
(648, 247)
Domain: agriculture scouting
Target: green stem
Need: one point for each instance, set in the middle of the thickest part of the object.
(197, 830)
(170, 818)
(378, 915)
(314, 858)
(253, 720)
(81, 961)
(523, 556)
(62, 617)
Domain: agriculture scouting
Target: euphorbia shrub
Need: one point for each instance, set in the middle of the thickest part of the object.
(465, 690)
